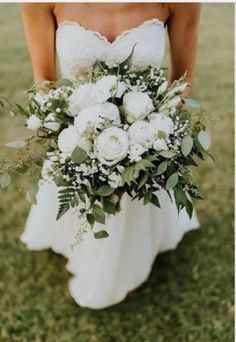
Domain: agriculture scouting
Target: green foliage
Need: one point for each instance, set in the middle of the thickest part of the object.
(67, 198)
(5, 180)
(186, 145)
(32, 192)
(101, 234)
(79, 155)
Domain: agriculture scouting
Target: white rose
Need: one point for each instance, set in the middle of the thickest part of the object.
(41, 98)
(112, 145)
(88, 117)
(51, 123)
(110, 112)
(137, 106)
(160, 145)
(33, 122)
(85, 144)
(80, 99)
(135, 152)
(114, 180)
(104, 88)
(68, 140)
(141, 132)
(161, 122)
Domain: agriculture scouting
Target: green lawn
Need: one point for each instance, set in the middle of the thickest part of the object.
(189, 295)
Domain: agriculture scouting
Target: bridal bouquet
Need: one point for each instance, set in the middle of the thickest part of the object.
(123, 131)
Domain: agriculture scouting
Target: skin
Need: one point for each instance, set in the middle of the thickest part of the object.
(111, 19)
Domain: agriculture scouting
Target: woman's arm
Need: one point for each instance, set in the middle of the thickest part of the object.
(39, 27)
(183, 32)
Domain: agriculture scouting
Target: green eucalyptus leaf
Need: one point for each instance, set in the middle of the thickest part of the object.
(79, 155)
(167, 154)
(18, 144)
(101, 234)
(192, 103)
(90, 219)
(98, 213)
(172, 181)
(32, 192)
(162, 167)
(204, 139)
(5, 180)
(155, 201)
(109, 207)
(147, 197)
(105, 190)
(186, 145)
(143, 180)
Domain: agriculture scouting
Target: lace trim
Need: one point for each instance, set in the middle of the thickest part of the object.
(104, 38)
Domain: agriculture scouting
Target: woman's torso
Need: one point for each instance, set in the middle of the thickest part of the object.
(108, 32)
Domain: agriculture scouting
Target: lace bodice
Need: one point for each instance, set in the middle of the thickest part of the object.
(78, 48)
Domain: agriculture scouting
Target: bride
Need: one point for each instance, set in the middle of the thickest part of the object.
(106, 270)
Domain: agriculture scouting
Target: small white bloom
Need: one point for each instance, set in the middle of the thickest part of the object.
(160, 145)
(51, 123)
(68, 140)
(135, 152)
(104, 88)
(137, 105)
(141, 132)
(161, 122)
(41, 98)
(87, 116)
(114, 180)
(112, 145)
(80, 99)
(33, 122)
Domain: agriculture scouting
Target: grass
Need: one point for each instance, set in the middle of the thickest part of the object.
(189, 295)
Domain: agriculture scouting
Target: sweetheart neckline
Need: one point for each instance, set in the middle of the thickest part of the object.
(103, 37)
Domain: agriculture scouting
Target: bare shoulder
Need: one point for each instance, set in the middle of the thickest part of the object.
(30, 8)
(186, 13)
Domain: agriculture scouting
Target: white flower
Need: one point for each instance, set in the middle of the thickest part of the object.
(137, 105)
(135, 152)
(68, 140)
(104, 88)
(51, 123)
(85, 144)
(112, 145)
(110, 112)
(160, 145)
(41, 98)
(141, 132)
(162, 88)
(88, 116)
(80, 99)
(114, 180)
(161, 122)
(33, 122)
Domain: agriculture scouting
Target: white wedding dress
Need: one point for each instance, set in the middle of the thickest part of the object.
(105, 270)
